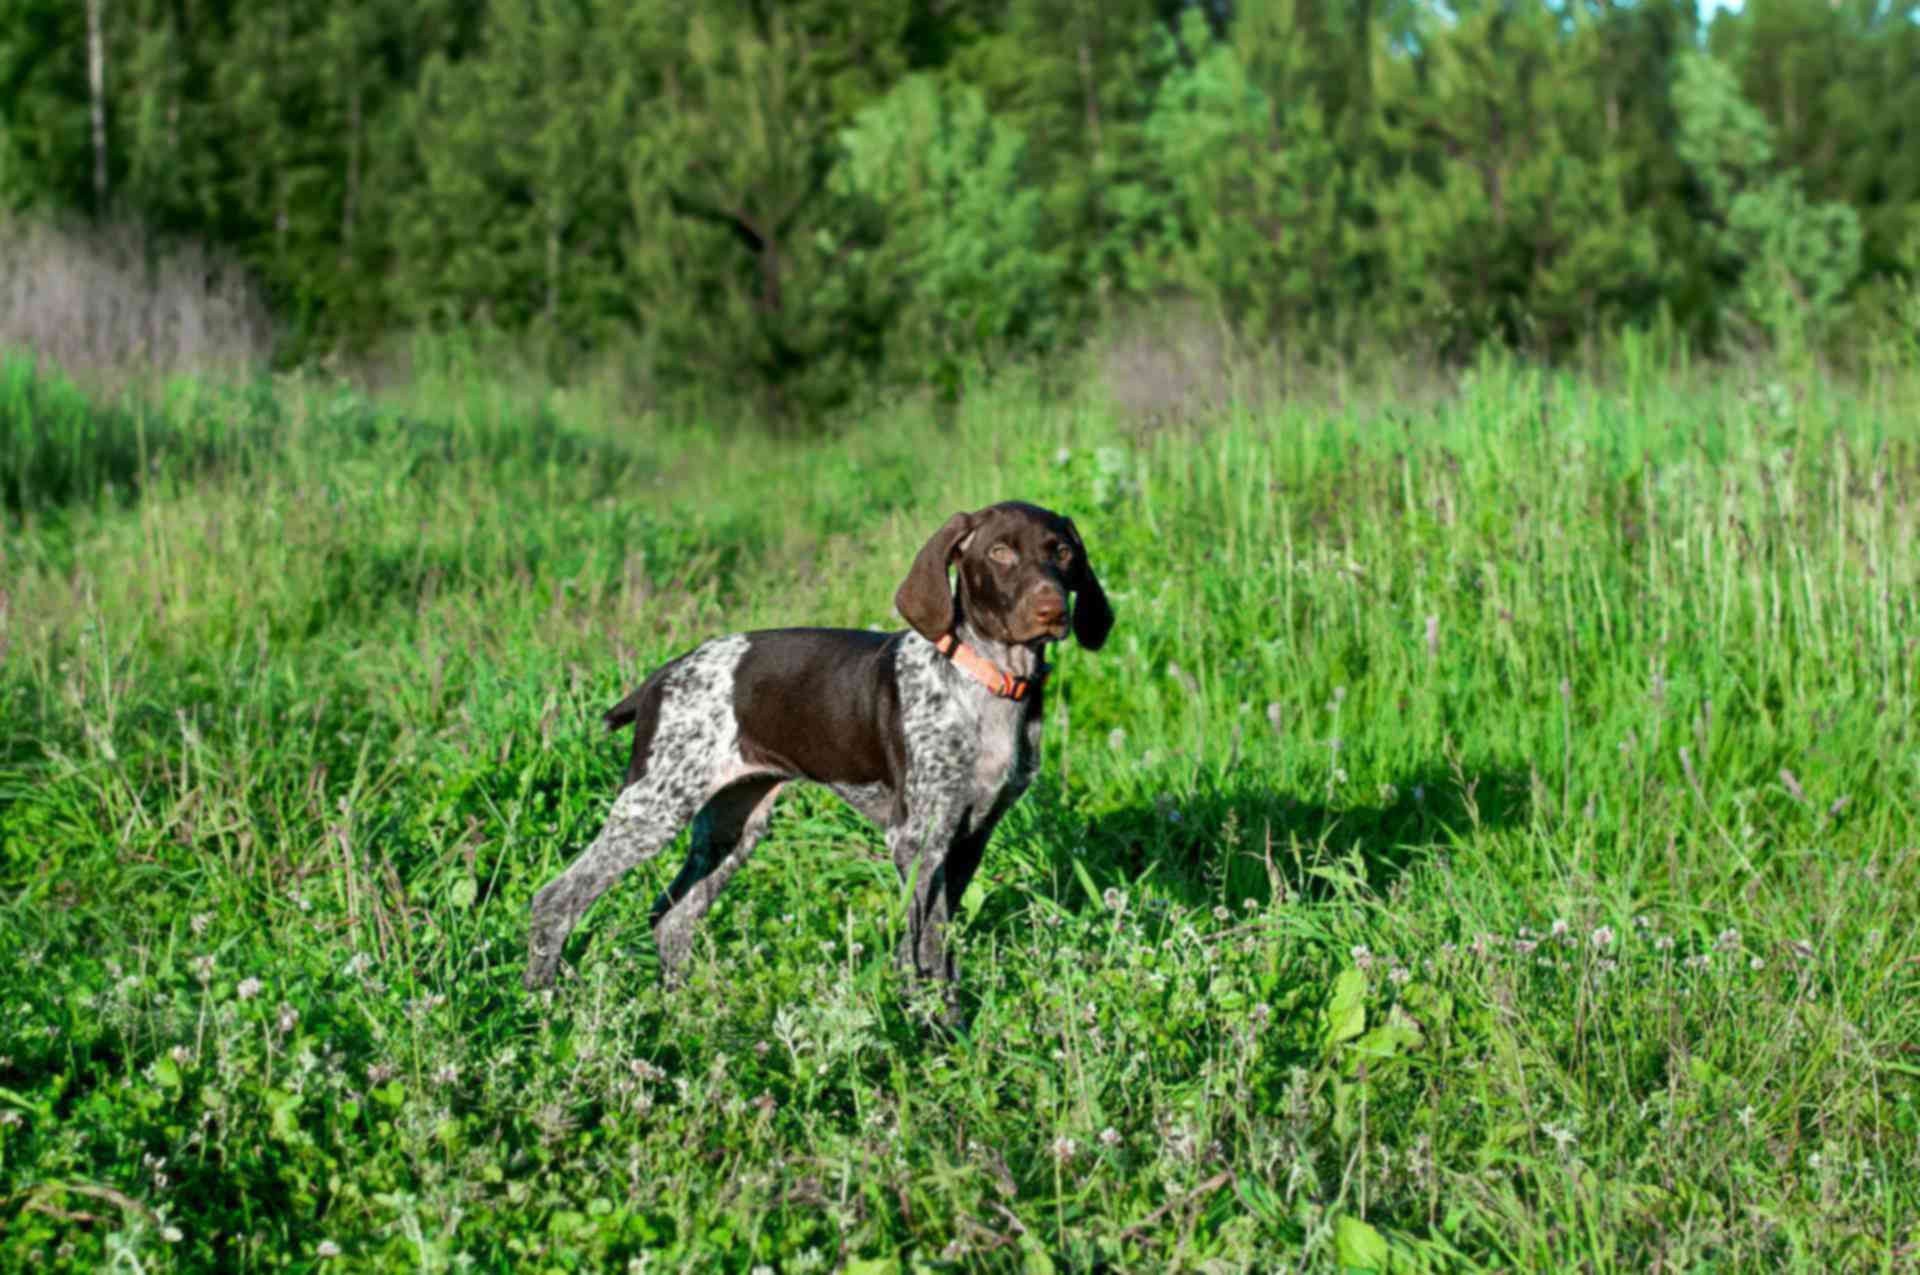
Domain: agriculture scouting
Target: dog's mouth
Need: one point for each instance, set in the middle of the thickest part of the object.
(1047, 631)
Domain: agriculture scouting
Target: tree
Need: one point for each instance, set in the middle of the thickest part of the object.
(1793, 260)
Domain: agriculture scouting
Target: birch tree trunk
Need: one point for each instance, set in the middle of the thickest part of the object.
(97, 94)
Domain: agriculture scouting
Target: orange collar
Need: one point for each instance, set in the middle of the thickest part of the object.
(986, 672)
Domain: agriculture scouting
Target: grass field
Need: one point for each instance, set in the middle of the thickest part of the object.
(1489, 841)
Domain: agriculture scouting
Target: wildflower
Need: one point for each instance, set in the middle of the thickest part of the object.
(249, 988)
(203, 969)
(1115, 900)
(288, 1017)
(1745, 1117)
(326, 1248)
(199, 922)
(1116, 739)
(1664, 943)
(172, 1234)
(1756, 965)
(1729, 940)
(1563, 1137)
(644, 1070)
(379, 1073)
(1362, 958)
(1524, 946)
(1560, 928)
(1399, 975)
(1221, 913)
(1802, 949)
(181, 1055)
(447, 1075)
(11, 1119)
(1065, 1148)
(1603, 937)
(1261, 1014)
(854, 949)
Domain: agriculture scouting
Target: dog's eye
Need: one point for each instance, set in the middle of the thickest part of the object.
(1063, 554)
(1003, 554)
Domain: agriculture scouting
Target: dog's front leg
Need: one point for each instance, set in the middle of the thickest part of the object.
(922, 854)
(938, 872)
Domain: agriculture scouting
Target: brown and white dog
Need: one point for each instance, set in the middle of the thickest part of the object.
(932, 732)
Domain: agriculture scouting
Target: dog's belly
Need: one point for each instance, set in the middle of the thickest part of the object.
(875, 801)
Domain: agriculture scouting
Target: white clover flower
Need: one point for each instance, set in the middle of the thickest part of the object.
(1065, 1148)
(1362, 957)
(1109, 1137)
(248, 988)
(1399, 976)
(1602, 938)
(326, 1248)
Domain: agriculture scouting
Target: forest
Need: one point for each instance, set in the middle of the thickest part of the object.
(806, 201)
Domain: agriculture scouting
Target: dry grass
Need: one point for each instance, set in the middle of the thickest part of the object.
(111, 307)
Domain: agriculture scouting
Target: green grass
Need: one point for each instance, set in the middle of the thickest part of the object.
(1489, 841)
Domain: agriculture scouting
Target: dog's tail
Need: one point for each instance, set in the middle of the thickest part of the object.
(644, 702)
(628, 710)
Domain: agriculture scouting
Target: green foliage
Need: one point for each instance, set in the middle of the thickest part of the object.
(1485, 842)
(568, 84)
(1241, 204)
(962, 259)
(740, 276)
(1794, 260)
(1503, 213)
(788, 205)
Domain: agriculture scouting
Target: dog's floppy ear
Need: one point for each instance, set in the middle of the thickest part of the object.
(925, 598)
(1092, 614)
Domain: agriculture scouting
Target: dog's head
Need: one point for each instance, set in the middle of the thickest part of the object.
(1016, 566)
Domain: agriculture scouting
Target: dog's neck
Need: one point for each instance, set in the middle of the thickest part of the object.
(1020, 659)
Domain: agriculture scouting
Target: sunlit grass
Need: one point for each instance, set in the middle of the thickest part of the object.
(1489, 840)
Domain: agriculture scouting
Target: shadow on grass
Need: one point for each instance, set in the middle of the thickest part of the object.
(1237, 838)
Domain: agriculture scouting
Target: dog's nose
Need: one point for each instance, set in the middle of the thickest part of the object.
(1050, 610)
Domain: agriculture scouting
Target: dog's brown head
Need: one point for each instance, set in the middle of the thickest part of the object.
(1017, 564)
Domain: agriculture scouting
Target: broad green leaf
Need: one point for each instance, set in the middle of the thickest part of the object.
(1358, 1246)
(1347, 1008)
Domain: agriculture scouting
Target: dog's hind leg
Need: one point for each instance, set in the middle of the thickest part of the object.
(645, 817)
(724, 835)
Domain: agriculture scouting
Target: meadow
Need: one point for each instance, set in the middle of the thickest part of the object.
(1489, 840)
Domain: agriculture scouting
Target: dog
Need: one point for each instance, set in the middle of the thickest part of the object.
(932, 732)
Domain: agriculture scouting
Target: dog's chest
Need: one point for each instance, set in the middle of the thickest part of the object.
(966, 745)
(1007, 752)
